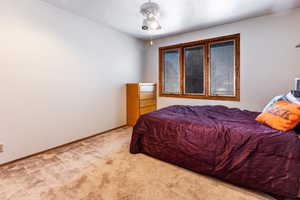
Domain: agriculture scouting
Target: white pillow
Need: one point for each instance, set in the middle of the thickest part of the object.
(274, 100)
(291, 98)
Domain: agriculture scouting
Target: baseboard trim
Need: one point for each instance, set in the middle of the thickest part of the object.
(59, 146)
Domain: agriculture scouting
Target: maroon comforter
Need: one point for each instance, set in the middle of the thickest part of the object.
(222, 142)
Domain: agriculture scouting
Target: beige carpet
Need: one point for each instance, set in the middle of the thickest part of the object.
(101, 168)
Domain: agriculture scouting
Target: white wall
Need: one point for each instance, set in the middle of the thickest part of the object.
(62, 77)
(269, 59)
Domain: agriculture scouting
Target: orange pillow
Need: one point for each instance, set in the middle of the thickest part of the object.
(283, 115)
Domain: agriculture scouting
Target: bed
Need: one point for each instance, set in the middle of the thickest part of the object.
(226, 143)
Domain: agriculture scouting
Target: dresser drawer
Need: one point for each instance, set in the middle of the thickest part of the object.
(147, 95)
(147, 88)
(147, 102)
(147, 109)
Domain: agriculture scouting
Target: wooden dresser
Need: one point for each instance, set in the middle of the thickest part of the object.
(141, 99)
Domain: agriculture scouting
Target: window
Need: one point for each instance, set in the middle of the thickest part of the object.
(194, 70)
(207, 69)
(171, 69)
(222, 68)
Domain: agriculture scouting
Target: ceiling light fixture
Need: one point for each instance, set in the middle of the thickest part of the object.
(151, 13)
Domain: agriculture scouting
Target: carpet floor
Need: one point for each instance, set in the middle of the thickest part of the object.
(101, 168)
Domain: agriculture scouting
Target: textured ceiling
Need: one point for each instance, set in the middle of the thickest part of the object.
(177, 16)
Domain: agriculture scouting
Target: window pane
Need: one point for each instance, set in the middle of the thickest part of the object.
(222, 70)
(194, 65)
(171, 71)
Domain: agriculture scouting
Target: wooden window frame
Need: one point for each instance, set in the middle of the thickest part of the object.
(206, 44)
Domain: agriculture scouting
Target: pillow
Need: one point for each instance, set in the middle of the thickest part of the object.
(282, 115)
(290, 97)
(274, 100)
